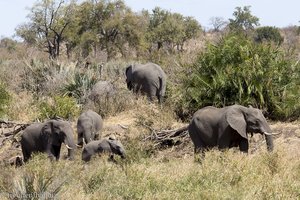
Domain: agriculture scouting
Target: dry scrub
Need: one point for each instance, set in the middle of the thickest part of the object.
(166, 173)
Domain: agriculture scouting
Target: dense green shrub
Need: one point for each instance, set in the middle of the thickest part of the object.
(268, 33)
(80, 85)
(60, 106)
(238, 70)
(4, 99)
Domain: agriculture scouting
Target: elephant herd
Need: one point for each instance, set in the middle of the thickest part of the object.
(48, 137)
(209, 127)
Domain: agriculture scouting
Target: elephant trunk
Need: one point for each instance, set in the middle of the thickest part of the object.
(70, 144)
(269, 137)
(87, 138)
(269, 141)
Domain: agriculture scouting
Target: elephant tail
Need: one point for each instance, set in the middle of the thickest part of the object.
(162, 88)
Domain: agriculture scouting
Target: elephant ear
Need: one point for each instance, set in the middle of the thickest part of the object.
(128, 70)
(114, 146)
(236, 120)
(47, 130)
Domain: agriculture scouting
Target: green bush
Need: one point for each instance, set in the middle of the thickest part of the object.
(60, 106)
(80, 85)
(4, 99)
(239, 71)
(269, 34)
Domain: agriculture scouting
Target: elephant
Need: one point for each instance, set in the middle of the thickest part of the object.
(47, 137)
(149, 79)
(89, 125)
(111, 146)
(227, 127)
(102, 89)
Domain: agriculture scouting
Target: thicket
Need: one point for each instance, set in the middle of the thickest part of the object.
(4, 99)
(237, 70)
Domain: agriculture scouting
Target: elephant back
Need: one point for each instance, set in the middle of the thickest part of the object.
(102, 89)
(91, 117)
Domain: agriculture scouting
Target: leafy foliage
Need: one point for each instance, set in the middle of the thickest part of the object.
(60, 106)
(238, 70)
(243, 20)
(268, 33)
(108, 26)
(170, 29)
(79, 86)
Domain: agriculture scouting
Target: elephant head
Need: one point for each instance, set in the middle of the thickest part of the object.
(116, 147)
(56, 132)
(249, 120)
(129, 77)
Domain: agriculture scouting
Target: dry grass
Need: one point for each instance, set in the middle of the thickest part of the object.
(148, 172)
(169, 173)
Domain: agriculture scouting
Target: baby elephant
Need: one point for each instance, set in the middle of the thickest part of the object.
(89, 125)
(110, 146)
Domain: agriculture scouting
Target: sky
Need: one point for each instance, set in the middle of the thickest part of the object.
(276, 13)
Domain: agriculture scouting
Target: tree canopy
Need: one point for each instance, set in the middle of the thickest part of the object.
(109, 26)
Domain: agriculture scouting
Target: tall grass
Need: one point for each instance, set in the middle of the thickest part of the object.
(222, 175)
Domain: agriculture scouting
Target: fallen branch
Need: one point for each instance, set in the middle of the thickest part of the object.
(10, 124)
(123, 126)
(10, 129)
(167, 137)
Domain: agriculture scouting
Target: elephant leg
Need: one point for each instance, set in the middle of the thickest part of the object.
(53, 152)
(86, 156)
(150, 98)
(26, 154)
(244, 145)
(199, 154)
(160, 98)
(112, 158)
(80, 139)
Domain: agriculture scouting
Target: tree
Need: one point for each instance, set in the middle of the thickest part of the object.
(268, 33)
(111, 25)
(243, 20)
(218, 23)
(171, 29)
(155, 32)
(48, 22)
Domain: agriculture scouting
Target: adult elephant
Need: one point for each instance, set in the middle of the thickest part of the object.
(149, 79)
(227, 127)
(110, 146)
(89, 125)
(47, 137)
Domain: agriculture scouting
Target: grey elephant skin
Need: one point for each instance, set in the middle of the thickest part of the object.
(227, 127)
(103, 146)
(48, 137)
(102, 89)
(149, 79)
(89, 125)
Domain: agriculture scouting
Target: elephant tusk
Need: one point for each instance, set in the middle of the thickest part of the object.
(266, 133)
(276, 133)
(68, 147)
(79, 146)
